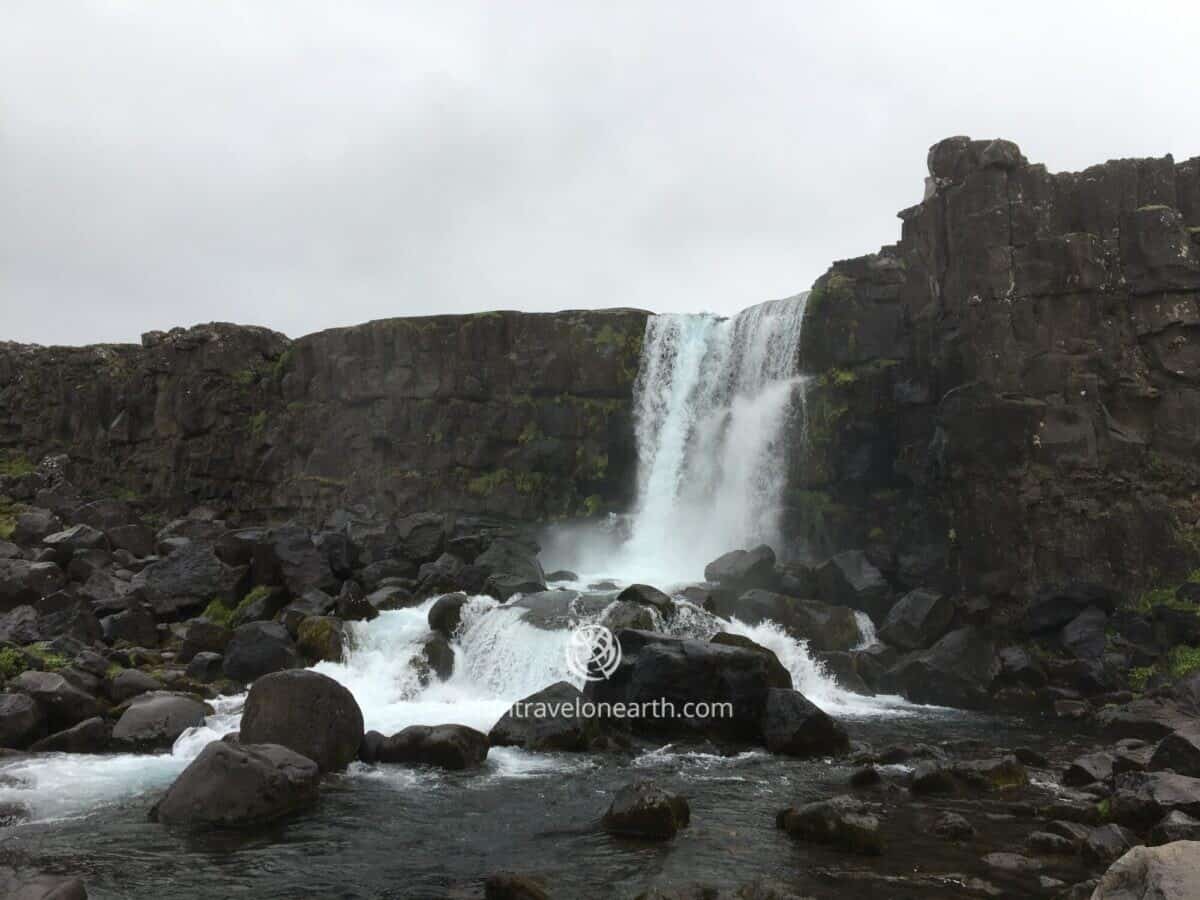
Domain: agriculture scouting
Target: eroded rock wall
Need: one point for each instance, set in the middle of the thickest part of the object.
(1007, 401)
(516, 414)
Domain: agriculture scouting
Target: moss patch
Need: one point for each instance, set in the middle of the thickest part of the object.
(12, 663)
(8, 517)
(15, 464)
(218, 612)
(1183, 661)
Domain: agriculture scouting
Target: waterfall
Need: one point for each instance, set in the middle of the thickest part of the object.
(713, 399)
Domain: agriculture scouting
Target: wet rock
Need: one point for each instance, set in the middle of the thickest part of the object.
(1175, 826)
(1141, 799)
(842, 821)
(287, 556)
(187, 579)
(796, 727)
(511, 567)
(436, 659)
(15, 885)
(206, 667)
(1179, 751)
(314, 602)
(64, 704)
(513, 886)
(321, 639)
(203, 636)
(1011, 862)
(866, 777)
(953, 827)
(651, 597)
(1149, 873)
(956, 671)
(258, 649)
(545, 722)
(778, 673)
(996, 774)
(22, 721)
(1089, 768)
(129, 683)
(681, 671)
(306, 712)
(917, 620)
(644, 810)
(421, 536)
(155, 720)
(89, 736)
(236, 785)
(353, 606)
(446, 746)
(743, 569)
(622, 615)
(1045, 843)
(1148, 719)
(844, 669)
(446, 614)
(850, 579)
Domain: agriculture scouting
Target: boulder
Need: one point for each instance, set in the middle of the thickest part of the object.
(436, 659)
(1141, 799)
(1179, 751)
(743, 569)
(287, 556)
(956, 671)
(21, 625)
(841, 821)
(513, 886)
(794, 726)
(153, 721)
(1084, 636)
(235, 785)
(89, 736)
(446, 746)
(511, 567)
(917, 620)
(1106, 843)
(352, 605)
(445, 615)
(681, 671)
(648, 596)
(65, 544)
(17, 885)
(421, 537)
(314, 602)
(138, 540)
(258, 649)
(33, 524)
(206, 667)
(307, 712)
(23, 582)
(849, 579)
(644, 810)
(321, 639)
(1175, 826)
(546, 721)
(129, 683)
(64, 615)
(1146, 718)
(777, 672)
(203, 636)
(135, 626)
(64, 704)
(21, 721)
(189, 578)
(824, 627)
(1053, 608)
(1090, 768)
(953, 827)
(1151, 873)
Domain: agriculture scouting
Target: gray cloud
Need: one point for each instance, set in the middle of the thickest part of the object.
(304, 165)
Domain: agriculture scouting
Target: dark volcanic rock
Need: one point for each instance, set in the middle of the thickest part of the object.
(446, 614)
(321, 638)
(188, 578)
(16, 885)
(64, 704)
(89, 736)
(842, 821)
(445, 746)
(956, 671)
(849, 579)
(1179, 751)
(1141, 799)
(307, 712)
(652, 597)
(237, 785)
(644, 810)
(546, 722)
(258, 649)
(825, 627)
(743, 569)
(153, 721)
(794, 726)
(22, 721)
(917, 620)
(1146, 873)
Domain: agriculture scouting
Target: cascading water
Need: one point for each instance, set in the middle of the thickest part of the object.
(714, 398)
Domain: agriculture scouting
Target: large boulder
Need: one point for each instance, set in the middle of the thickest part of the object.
(842, 821)
(1153, 873)
(1179, 751)
(742, 569)
(135, 625)
(129, 683)
(651, 597)
(511, 567)
(24, 583)
(288, 556)
(64, 704)
(65, 544)
(33, 524)
(824, 627)
(680, 672)
(794, 726)
(446, 614)
(138, 540)
(89, 736)
(154, 720)
(257, 649)
(189, 578)
(850, 579)
(307, 712)
(446, 746)
(64, 615)
(546, 721)
(1084, 636)
(1141, 799)
(644, 810)
(322, 639)
(21, 721)
(777, 672)
(21, 625)
(420, 537)
(233, 785)
(956, 671)
(917, 620)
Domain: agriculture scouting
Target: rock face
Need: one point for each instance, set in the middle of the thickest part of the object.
(306, 712)
(383, 414)
(235, 785)
(1144, 873)
(1005, 401)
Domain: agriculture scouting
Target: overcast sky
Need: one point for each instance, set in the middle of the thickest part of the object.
(303, 165)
